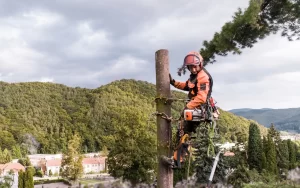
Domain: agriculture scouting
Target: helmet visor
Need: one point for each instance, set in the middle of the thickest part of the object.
(191, 60)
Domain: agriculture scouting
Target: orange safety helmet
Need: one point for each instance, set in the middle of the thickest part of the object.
(193, 58)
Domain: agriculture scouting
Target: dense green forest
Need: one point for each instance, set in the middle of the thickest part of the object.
(266, 161)
(41, 117)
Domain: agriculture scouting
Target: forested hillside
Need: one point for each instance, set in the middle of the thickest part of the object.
(41, 117)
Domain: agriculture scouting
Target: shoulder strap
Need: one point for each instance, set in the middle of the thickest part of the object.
(211, 82)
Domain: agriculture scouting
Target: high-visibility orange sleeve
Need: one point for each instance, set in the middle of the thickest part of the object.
(181, 85)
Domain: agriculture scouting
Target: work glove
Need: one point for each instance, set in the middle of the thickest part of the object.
(172, 81)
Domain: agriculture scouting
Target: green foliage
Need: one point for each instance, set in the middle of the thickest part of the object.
(25, 161)
(270, 153)
(5, 156)
(239, 177)
(264, 155)
(264, 163)
(128, 132)
(16, 152)
(104, 151)
(28, 178)
(259, 20)
(48, 181)
(292, 154)
(297, 145)
(254, 148)
(186, 170)
(268, 177)
(281, 149)
(275, 162)
(204, 157)
(243, 177)
(7, 140)
(32, 169)
(39, 173)
(274, 134)
(133, 155)
(21, 179)
(53, 112)
(25, 179)
(261, 156)
(42, 117)
(71, 164)
(283, 162)
(239, 158)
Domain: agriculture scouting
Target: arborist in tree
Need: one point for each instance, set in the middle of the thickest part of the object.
(199, 86)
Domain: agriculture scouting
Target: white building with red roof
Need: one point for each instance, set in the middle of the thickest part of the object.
(90, 165)
(6, 168)
(11, 167)
(95, 165)
(53, 165)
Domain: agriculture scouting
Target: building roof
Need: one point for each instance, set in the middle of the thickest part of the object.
(96, 160)
(12, 166)
(53, 162)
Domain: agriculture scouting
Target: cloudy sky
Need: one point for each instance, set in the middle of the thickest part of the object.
(88, 43)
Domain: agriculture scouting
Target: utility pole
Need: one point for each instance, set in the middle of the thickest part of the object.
(164, 131)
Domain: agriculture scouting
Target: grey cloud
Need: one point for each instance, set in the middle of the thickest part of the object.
(259, 62)
(79, 43)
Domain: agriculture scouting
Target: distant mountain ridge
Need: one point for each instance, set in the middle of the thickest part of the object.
(284, 119)
(247, 109)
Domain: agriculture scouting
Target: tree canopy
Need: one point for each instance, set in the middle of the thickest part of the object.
(71, 163)
(259, 20)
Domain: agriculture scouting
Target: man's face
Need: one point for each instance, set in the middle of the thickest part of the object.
(194, 69)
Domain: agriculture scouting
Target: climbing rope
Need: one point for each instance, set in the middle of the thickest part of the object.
(169, 100)
(164, 116)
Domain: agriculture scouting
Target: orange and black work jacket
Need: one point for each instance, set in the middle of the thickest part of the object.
(199, 87)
